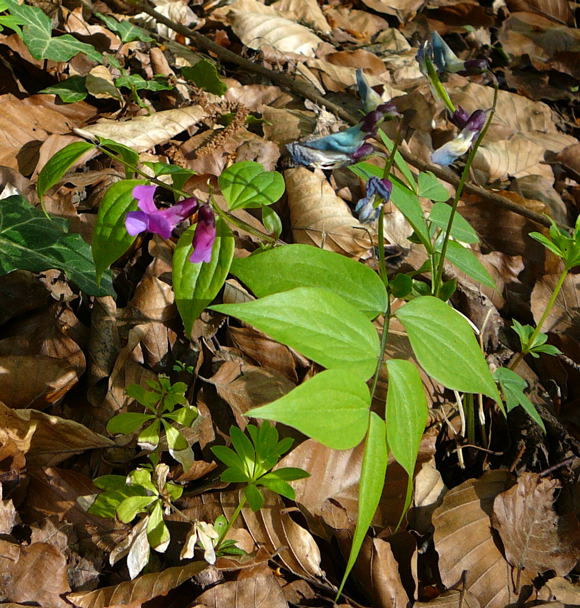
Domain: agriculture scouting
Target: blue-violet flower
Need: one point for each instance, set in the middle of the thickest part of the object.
(445, 60)
(377, 190)
(459, 145)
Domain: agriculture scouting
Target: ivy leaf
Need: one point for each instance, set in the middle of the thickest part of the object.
(31, 241)
(204, 74)
(71, 90)
(127, 31)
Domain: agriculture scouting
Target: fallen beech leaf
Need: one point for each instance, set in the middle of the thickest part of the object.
(558, 10)
(47, 440)
(144, 132)
(303, 11)
(33, 573)
(321, 218)
(532, 534)
(133, 594)
(8, 515)
(403, 9)
(563, 318)
(450, 599)
(466, 546)
(245, 593)
(360, 24)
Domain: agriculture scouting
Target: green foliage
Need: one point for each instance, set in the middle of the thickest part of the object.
(445, 346)
(127, 31)
(430, 187)
(562, 244)
(30, 240)
(246, 185)
(468, 262)
(37, 35)
(332, 408)
(251, 460)
(196, 285)
(316, 322)
(513, 387)
(291, 266)
(204, 75)
(110, 238)
(533, 342)
(71, 90)
(460, 229)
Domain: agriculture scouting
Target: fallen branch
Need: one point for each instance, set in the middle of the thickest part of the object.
(307, 91)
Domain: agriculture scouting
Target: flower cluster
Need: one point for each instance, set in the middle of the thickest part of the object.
(162, 221)
(436, 58)
(349, 146)
(378, 192)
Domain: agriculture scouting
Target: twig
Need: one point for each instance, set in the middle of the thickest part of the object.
(309, 92)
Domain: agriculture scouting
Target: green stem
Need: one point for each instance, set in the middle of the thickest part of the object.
(543, 318)
(469, 417)
(438, 86)
(436, 284)
(231, 522)
(231, 219)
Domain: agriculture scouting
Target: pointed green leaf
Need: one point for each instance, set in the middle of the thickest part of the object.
(461, 229)
(127, 31)
(175, 440)
(247, 185)
(254, 496)
(132, 506)
(374, 469)
(157, 532)
(59, 164)
(399, 160)
(513, 387)
(467, 261)
(291, 266)
(445, 346)
(29, 240)
(149, 436)
(316, 322)
(407, 202)
(332, 408)
(204, 74)
(406, 412)
(196, 285)
(110, 238)
(430, 187)
(127, 422)
(71, 90)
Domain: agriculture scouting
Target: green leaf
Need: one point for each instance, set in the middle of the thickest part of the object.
(204, 74)
(289, 473)
(316, 322)
(292, 266)
(179, 175)
(461, 229)
(175, 440)
(157, 532)
(149, 436)
(229, 458)
(467, 261)
(196, 285)
(400, 162)
(513, 387)
(129, 155)
(247, 185)
(332, 408)
(71, 90)
(110, 238)
(184, 415)
(127, 31)
(272, 222)
(147, 398)
(245, 449)
(232, 475)
(31, 241)
(101, 87)
(106, 503)
(110, 482)
(406, 412)
(37, 35)
(127, 422)
(374, 468)
(132, 506)
(278, 485)
(59, 164)
(254, 497)
(430, 187)
(407, 202)
(138, 83)
(445, 346)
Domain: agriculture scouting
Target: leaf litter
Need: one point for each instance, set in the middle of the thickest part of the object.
(476, 535)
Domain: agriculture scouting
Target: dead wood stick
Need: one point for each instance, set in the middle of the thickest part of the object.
(309, 92)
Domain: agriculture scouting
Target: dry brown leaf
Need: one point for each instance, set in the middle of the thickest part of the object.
(285, 126)
(563, 318)
(257, 30)
(273, 529)
(360, 58)
(561, 589)
(466, 546)
(47, 440)
(245, 593)
(530, 530)
(360, 24)
(132, 594)
(8, 515)
(570, 158)
(303, 11)
(558, 10)
(321, 218)
(33, 573)
(145, 132)
(450, 599)
(404, 10)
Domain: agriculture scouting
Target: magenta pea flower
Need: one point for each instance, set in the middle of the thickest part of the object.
(204, 236)
(152, 219)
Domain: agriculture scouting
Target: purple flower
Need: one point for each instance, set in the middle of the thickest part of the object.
(163, 221)
(376, 189)
(204, 236)
(152, 219)
(445, 60)
(459, 145)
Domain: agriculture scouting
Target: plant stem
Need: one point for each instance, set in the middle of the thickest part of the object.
(231, 521)
(436, 284)
(543, 318)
